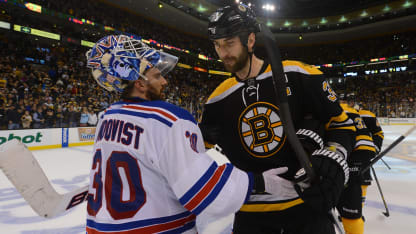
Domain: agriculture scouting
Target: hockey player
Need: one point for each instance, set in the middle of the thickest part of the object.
(242, 116)
(351, 202)
(150, 172)
(377, 134)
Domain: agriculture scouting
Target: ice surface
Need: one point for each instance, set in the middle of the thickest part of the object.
(68, 169)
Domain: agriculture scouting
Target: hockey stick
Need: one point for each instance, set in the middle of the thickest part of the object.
(387, 213)
(25, 173)
(279, 85)
(391, 146)
(387, 165)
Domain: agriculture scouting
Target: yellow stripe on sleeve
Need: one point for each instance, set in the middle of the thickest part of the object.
(293, 65)
(365, 147)
(270, 207)
(363, 137)
(379, 134)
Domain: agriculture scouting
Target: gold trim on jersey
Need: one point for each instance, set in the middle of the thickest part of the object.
(348, 109)
(366, 113)
(208, 145)
(340, 122)
(270, 207)
(363, 137)
(364, 142)
(231, 84)
(365, 147)
(224, 89)
(379, 134)
(297, 66)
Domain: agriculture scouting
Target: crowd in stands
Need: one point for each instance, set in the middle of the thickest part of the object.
(388, 95)
(60, 92)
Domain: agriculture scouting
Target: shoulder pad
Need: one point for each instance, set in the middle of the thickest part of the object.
(224, 89)
(297, 66)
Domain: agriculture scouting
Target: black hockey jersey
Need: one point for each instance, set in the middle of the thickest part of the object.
(374, 127)
(363, 139)
(243, 118)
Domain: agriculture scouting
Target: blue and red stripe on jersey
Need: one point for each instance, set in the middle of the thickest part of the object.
(145, 115)
(207, 188)
(166, 107)
(170, 224)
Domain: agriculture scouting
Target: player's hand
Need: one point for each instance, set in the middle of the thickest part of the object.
(333, 173)
(310, 140)
(270, 182)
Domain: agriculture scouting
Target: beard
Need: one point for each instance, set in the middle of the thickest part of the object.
(240, 62)
(154, 95)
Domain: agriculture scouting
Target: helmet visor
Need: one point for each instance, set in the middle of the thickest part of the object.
(166, 63)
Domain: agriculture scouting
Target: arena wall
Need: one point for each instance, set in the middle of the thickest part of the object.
(37, 139)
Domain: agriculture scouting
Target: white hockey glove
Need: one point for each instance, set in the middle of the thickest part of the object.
(269, 182)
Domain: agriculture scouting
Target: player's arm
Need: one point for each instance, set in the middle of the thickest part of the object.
(374, 126)
(339, 128)
(329, 162)
(209, 125)
(203, 186)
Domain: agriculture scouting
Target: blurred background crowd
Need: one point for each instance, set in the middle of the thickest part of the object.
(45, 84)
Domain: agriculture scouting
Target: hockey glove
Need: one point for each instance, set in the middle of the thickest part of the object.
(310, 140)
(270, 182)
(333, 173)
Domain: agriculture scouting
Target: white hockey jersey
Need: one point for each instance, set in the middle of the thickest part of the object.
(150, 172)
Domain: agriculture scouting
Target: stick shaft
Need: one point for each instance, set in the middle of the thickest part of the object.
(390, 147)
(387, 213)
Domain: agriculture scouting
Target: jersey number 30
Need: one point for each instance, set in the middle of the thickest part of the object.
(123, 187)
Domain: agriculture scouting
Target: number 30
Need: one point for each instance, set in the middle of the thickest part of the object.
(122, 174)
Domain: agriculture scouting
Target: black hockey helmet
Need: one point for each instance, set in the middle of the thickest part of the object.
(231, 21)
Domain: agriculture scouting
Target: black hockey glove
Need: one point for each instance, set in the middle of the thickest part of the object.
(310, 141)
(333, 172)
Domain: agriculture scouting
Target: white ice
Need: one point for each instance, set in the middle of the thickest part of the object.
(68, 169)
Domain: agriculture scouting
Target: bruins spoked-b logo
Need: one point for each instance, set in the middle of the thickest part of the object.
(261, 131)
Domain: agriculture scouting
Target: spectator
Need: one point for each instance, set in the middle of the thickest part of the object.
(73, 118)
(49, 118)
(13, 118)
(60, 120)
(92, 118)
(26, 119)
(38, 118)
(83, 121)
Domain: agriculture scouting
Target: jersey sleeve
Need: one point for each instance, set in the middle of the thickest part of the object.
(209, 125)
(339, 128)
(200, 185)
(376, 131)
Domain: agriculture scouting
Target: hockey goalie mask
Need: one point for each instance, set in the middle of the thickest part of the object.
(117, 59)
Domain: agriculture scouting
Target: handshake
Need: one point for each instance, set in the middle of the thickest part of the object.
(330, 166)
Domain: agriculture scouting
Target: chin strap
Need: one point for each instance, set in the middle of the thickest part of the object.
(249, 68)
